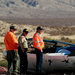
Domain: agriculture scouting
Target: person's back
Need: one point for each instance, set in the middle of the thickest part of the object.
(11, 41)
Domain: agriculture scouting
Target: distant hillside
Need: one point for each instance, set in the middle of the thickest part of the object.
(37, 8)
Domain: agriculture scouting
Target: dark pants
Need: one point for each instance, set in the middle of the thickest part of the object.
(23, 61)
(12, 58)
(39, 60)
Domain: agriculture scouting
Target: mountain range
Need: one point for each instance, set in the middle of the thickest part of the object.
(43, 9)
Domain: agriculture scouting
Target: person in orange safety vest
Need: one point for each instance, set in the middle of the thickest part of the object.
(38, 44)
(11, 44)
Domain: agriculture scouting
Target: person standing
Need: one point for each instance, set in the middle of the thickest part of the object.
(22, 51)
(38, 44)
(11, 44)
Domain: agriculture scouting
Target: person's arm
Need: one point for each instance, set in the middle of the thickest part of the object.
(25, 43)
(5, 42)
(42, 45)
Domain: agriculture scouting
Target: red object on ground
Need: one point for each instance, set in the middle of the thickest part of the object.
(3, 70)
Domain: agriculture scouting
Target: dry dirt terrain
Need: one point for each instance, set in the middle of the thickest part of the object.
(53, 32)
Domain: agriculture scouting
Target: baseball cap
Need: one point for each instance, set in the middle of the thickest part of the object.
(26, 30)
(39, 28)
(12, 27)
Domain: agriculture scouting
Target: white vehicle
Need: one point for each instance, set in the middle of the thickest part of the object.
(56, 58)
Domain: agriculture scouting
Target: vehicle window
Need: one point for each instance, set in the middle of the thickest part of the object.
(49, 45)
(30, 46)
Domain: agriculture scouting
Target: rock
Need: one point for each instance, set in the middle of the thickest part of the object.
(3, 70)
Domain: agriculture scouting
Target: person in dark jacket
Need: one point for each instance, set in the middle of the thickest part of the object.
(22, 51)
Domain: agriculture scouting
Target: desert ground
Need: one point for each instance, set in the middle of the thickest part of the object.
(55, 32)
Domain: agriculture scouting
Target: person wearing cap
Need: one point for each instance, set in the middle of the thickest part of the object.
(22, 51)
(11, 44)
(38, 44)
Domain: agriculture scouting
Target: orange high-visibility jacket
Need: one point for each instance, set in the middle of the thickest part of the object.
(10, 41)
(38, 41)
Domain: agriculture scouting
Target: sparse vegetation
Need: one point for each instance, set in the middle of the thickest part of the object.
(47, 38)
(66, 39)
(3, 63)
(62, 39)
(1, 43)
(51, 32)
